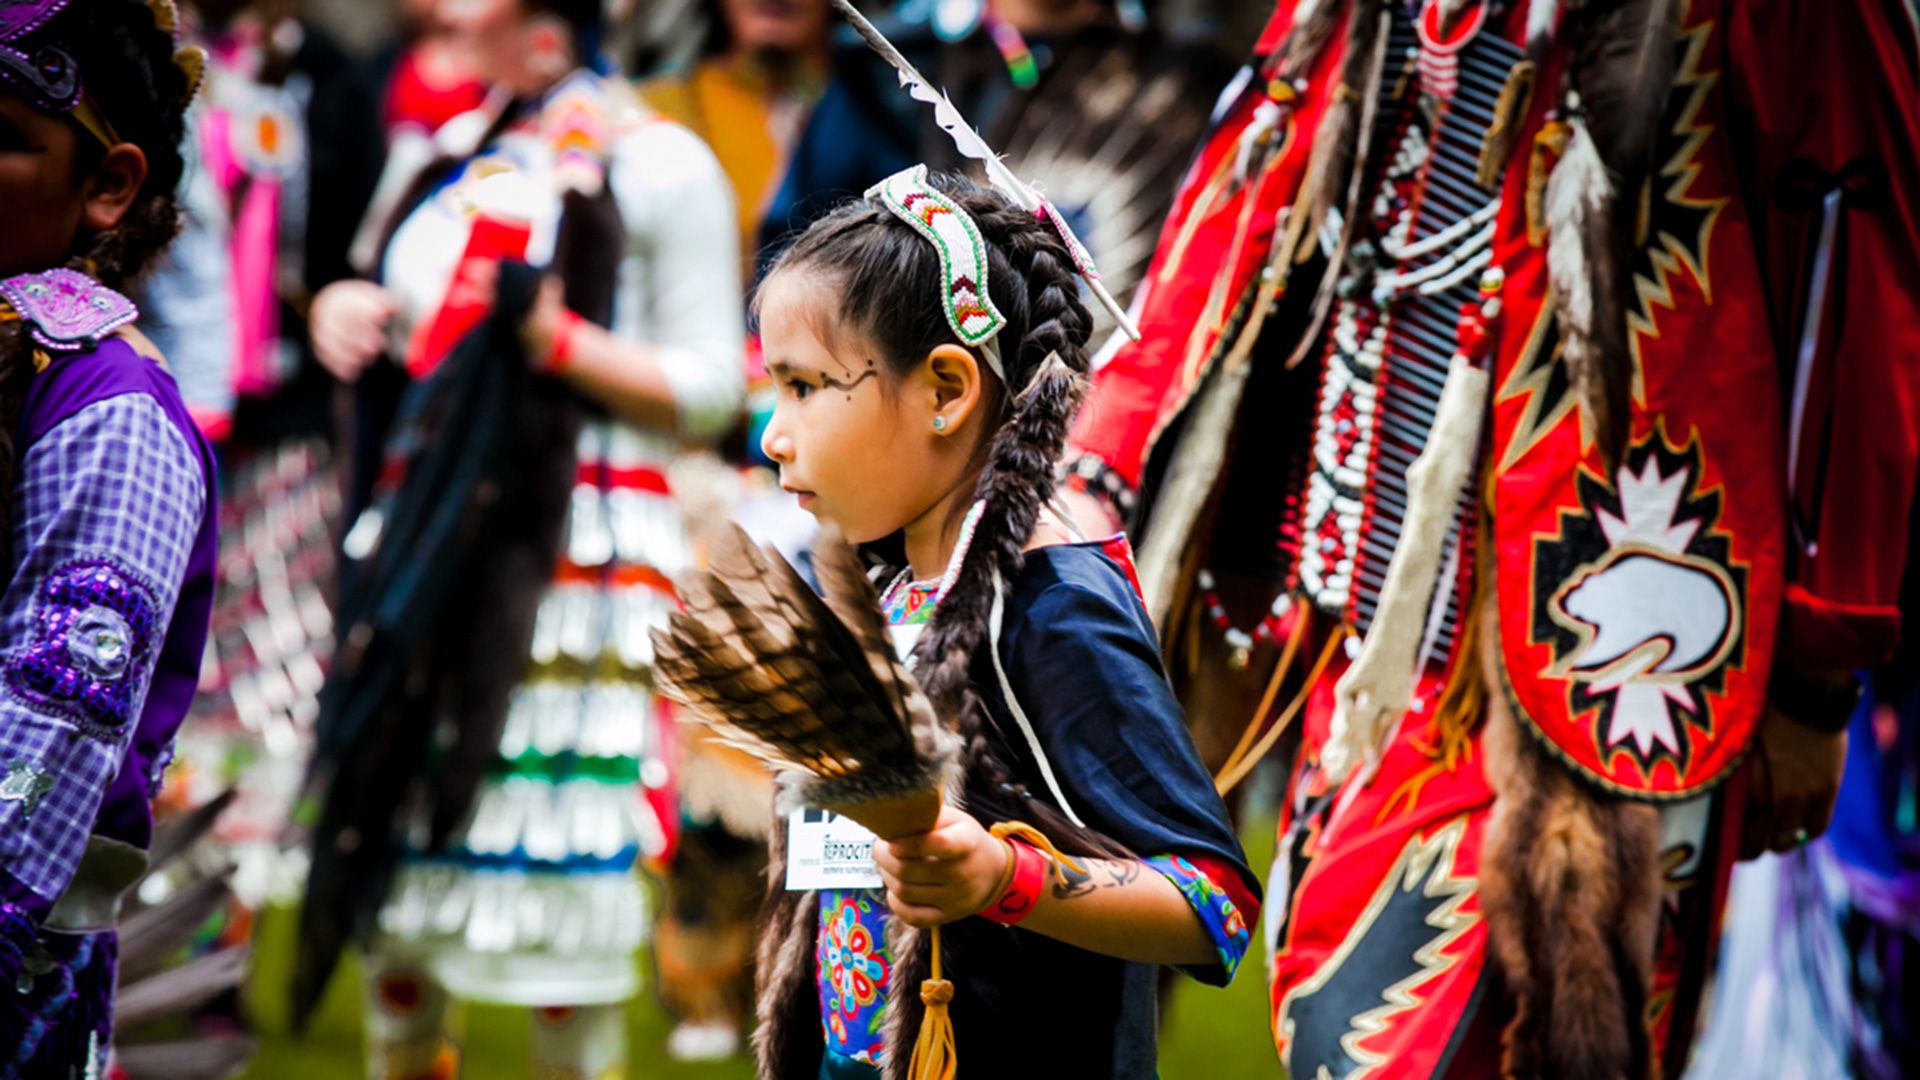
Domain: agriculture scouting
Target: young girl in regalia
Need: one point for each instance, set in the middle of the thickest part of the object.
(531, 898)
(929, 344)
(110, 506)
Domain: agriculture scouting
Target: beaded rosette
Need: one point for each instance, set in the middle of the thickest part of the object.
(67, 310)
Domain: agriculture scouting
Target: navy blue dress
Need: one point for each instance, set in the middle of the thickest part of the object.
(1082, 659)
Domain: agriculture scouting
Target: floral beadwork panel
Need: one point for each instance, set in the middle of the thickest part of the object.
(853, 966)
(95, 625)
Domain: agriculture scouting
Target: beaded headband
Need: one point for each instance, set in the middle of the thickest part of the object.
(963, 257)
(45, 72)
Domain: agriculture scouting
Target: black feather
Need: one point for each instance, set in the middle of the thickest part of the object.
(1623, 69)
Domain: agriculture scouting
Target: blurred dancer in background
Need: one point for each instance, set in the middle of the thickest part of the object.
(533, 899)
(1086, 102)
(109, 510)
(227, 307)
(762, 67)
(401, 94)
(1817, 972)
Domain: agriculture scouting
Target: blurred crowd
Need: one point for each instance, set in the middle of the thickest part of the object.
(327, 262)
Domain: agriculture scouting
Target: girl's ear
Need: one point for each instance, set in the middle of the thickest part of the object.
(112, 186)
(953, 387)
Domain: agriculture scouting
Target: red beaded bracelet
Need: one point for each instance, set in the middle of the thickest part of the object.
(560, 353)
(1023, 892)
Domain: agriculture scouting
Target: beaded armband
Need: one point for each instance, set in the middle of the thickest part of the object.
(94, 625)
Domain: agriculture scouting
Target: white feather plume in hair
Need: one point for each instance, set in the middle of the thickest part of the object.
(1541, 16)
(968, 141)
(1578, 189)
(1304, 11)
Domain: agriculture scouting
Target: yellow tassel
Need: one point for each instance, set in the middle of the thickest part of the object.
(935, 1056)
(935, 1053)
(1020, 830)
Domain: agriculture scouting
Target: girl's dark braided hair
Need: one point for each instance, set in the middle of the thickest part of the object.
(126, 66)
(887, 278)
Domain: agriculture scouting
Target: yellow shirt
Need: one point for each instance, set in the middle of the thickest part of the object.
(750, 127)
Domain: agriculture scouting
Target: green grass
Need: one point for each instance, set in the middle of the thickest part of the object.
(1212, 1034)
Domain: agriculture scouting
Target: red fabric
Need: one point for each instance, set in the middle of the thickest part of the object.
(638, 478)
(1144, 383)
(622, 575)
(1227, 880)
(1275, 31)
(663, 798)
(1825, 96)
(1791, 102)
(464, 306)
(414, 101)
(1818, 633)
(1117, 548)
(1638, 604)
(1400, 839)
(1370, 848)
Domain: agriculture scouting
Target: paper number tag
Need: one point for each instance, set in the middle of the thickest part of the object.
(827, 851)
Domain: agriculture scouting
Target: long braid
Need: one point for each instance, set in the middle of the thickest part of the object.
(1046, 366)
(872, 259)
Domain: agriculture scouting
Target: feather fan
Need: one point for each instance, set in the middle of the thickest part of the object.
(161, 985)
(809, 684)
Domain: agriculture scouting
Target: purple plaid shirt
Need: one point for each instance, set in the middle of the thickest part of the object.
(109, 503)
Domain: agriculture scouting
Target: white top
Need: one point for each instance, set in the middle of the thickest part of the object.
(679, 288)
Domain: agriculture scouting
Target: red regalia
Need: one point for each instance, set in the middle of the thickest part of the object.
(1678, 263)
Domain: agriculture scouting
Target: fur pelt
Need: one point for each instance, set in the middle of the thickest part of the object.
(1571, 888)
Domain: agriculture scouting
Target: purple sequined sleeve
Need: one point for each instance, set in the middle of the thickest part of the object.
(107, 505)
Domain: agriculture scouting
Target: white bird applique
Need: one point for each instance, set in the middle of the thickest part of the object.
(1652, 618)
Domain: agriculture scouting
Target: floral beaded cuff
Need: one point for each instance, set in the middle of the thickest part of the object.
(1224, 921)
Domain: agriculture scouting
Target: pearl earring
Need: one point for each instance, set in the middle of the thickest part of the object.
(939, 423)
